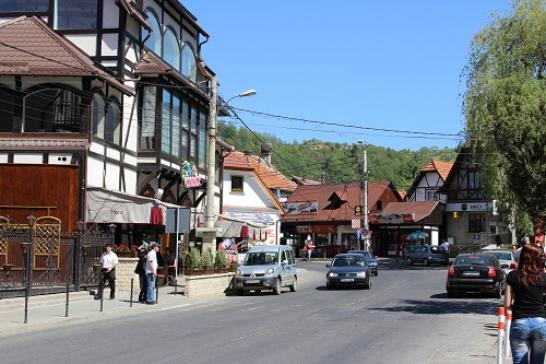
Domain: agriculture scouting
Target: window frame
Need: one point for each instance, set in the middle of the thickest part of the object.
(56, 16)
(242, 182)
(113, 101)
(191, 73)
(22, 11)
(152, 14)
(170, 30)
(477, 222)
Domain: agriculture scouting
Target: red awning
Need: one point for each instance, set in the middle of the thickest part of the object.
(245, 234)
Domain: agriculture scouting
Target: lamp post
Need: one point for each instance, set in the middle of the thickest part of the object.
(364, 184)
(211, 157)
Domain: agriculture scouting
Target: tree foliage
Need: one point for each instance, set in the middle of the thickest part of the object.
(505, 105)
(336, 162)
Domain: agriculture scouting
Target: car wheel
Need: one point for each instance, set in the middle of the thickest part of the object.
(427, 263)
(368, 285)
(278, 287)
(409, 261)
(294, 285)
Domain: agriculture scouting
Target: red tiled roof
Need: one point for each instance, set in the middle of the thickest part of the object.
(272, 178)
(29, 47)
(349, 192)
(439, 166)
(421, 209)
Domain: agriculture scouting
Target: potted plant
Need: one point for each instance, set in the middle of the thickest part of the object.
(220, 261)
(207, 260)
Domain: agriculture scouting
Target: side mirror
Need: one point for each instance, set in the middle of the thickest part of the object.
(284, 262)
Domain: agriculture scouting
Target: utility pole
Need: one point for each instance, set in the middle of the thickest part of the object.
(364, 197)
(209, 235)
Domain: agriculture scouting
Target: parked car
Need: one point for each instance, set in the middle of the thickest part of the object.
(267, 267)
(349, 269)
(475, 273)
(372, 260)
(427, 254)
(505, 256)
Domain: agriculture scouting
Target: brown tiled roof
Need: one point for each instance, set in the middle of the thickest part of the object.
(150, 64)
(439, 166)
(136, 12)
(29, 47)
(349, 192)
(421, 209)
(271, 176)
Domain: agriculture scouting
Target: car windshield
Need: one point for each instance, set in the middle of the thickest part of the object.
(502, 255)
(349, 261)
(474, 260)
(261, 258)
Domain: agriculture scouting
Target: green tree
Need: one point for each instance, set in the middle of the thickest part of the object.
(505, 106)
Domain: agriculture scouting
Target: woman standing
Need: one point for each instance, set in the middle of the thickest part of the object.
(524, 295)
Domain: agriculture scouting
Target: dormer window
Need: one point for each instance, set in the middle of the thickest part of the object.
(75, 14)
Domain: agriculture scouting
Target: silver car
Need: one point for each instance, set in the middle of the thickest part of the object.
(267, 267)
(505, 257)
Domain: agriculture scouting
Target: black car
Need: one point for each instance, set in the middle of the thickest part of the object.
(372, 260)
(348, 270)
(475, 273)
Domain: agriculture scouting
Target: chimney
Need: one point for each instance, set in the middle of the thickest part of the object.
(266, 151)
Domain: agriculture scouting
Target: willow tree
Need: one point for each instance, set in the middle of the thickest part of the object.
(505, 106)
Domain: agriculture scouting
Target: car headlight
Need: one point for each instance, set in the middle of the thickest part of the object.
(238, 274)
(361, 274)
(332, 274)
(270, 271)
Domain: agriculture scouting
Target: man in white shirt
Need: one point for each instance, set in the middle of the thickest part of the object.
(151, 272)
(109, 262)
(445, 246)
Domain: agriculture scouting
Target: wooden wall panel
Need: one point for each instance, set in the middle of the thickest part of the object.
(31, 189)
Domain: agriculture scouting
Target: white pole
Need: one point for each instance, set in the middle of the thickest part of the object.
(500, 338)
(211, 155)
(507, 333)
(176, 253)
(366, 227)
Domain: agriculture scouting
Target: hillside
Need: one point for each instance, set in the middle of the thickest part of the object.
(336, 161)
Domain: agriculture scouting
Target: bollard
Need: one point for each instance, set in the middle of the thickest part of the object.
(131, 299)
(101, 302)
(156, 292)
(508, 323)
(67, 299)
(500, 340)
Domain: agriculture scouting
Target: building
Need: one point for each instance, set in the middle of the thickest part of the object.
(107, 100)
(429, 181)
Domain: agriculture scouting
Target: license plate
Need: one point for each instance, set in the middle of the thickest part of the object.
(252, 281)
(347, 280)
(471, 274)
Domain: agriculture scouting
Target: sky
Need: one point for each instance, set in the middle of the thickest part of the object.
(375, 64)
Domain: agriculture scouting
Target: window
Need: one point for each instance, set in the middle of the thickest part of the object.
(166, 123)
(98, 116)
(202, 139)
(189, 67)
(474, 182)
(154, 37)
(75, 14)
(431, 195)
(476, 222)
(193, 135)
(175, 145)
(237, 183)
(24, 5)
(54, 110)
(185, 140)
(171, 49)
(7, 111)
(112, 131)
(147, 130)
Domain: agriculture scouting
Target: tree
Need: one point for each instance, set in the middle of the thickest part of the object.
(505, 106)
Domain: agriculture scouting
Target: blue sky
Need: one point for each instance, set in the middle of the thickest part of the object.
(380, 64)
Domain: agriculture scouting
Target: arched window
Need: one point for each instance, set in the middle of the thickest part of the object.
(154, 40)
(54, 109)
(98, 116)
(189, 67)
(113, 123)
(171, 49)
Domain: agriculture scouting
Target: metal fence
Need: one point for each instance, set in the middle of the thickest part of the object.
(36, 258)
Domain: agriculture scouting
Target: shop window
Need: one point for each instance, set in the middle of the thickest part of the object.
(237, 183)
(24, 5)
(75, 14)
(189, 66)
(99, 116)
(153, 37)
(476, 222)
(171, 49)
(54, 110)
(147, 130)
(112, 132)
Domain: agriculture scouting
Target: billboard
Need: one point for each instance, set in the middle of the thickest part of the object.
(300, 207)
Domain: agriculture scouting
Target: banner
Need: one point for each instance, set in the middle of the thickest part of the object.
(300, 207)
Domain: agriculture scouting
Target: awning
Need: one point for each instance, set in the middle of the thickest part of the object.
(233, 228)
(109, 206)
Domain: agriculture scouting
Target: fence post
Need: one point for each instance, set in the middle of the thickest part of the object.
(131, 299)
(77, 261)
(156, 291)
(500, 341)
(507, 333)
(28, 249)
(67, 298)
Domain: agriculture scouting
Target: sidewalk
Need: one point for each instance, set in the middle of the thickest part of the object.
(49, 310)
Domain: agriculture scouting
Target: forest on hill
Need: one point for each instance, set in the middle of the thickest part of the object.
(336, 162)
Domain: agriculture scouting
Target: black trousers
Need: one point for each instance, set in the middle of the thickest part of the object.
(111, 278)
(143, 287)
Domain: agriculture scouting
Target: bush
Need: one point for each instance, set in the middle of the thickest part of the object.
(220, 261)
(193, 259)
(206, 259)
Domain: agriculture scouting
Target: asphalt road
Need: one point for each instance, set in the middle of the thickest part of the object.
(404, 318)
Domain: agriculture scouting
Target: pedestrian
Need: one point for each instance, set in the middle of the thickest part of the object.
(445, 246)
(498, 241)
(524, 295)
(151, 272)
(523, 242)
(109, 261)
(141, 271)
(309, 248)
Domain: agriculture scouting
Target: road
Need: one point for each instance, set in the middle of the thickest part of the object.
(404, 318)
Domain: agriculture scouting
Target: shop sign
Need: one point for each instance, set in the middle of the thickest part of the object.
(317, 229)
(299, 207)
(394, 218)
(470, 206)
(193, 182)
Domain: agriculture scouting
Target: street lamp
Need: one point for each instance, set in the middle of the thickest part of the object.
(247, 93)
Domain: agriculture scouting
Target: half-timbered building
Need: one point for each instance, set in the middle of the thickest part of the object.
(429, 181)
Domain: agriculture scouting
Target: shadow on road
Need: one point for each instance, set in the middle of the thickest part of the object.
(400, 264)
(340, 288)
(443, 307)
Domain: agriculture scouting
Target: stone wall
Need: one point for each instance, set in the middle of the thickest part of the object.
(124, 272)
(210, 284)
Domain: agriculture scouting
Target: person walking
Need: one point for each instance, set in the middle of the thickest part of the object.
(309, 248)
(141, 271)
(109, 261)
(524, 295)
(151, 272)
